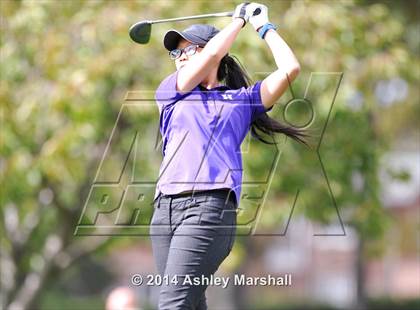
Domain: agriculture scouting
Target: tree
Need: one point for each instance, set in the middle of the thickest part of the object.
(66, 67)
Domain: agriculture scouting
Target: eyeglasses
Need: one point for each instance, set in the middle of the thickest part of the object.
(189, 51)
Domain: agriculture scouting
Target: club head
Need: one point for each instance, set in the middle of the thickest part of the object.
(140, 32)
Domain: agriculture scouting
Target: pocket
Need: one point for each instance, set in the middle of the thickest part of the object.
(183, 203)
(215, 203)
(210, 217)
(232, 237)
(159, 215)
(232, 240)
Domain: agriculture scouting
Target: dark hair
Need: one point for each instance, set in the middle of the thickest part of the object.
(234, 76)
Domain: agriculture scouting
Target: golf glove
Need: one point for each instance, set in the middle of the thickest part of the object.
(241, 12)
(257, 21)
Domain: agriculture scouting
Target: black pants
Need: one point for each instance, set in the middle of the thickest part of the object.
(191, 235)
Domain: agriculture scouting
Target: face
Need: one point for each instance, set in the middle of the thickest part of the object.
(183, 59)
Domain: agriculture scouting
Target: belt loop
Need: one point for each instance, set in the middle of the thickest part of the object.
(227, 197)
(192, 197)
(231, 196)
(159, 197)
(193, 201)
(170, 212)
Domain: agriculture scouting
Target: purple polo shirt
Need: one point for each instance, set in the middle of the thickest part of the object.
(202, 133)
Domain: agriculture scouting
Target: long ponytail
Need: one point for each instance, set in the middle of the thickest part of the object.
(234, 76)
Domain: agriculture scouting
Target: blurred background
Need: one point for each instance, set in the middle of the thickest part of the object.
(80, 152)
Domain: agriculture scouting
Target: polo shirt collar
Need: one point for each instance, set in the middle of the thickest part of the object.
(221, 87)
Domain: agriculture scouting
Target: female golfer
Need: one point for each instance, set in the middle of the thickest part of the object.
(206, 109)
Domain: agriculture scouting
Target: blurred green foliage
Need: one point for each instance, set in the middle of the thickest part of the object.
(66, 67)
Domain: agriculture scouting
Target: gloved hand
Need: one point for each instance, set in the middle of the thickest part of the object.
(241, 12)
(259, 20)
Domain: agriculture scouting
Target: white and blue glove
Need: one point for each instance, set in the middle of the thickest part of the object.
(241, 12)
(258, 17)
(261, 15)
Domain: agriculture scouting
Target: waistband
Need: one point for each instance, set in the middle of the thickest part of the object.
(223, 193)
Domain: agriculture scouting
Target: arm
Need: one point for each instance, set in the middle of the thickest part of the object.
(200, 66)
(288, 68)
(273, 86)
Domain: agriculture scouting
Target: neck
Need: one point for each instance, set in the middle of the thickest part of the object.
(210, 85)
(211, 80)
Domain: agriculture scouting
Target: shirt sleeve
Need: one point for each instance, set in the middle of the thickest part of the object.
(166, 92)
(257, 108)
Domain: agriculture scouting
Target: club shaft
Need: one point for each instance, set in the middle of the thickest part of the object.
(191, 17)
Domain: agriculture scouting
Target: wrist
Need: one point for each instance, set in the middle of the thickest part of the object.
(259, 24)
(265, 28)
(240, 20)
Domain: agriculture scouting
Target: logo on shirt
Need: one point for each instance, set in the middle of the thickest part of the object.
(227, 96)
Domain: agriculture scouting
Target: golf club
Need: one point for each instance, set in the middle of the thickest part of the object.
(140, 31)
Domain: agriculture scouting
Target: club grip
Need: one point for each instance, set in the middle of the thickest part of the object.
(256, 12)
